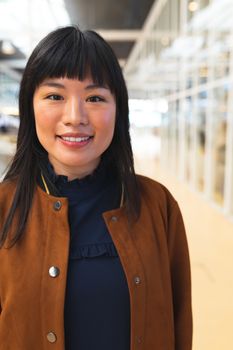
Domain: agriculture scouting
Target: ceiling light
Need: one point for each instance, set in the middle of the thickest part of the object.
(193, 6)
(8, 48)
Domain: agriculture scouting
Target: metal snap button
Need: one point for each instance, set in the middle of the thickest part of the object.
(57, 205)
(137, 280)
(114, 219)
(54, 271)
(51, 337)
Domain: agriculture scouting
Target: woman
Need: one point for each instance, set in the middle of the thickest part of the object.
(92, 256)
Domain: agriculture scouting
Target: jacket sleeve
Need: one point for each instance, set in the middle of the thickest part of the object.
(180, 279)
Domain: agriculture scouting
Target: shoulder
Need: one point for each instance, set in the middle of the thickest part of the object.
(6, 186)
(155, 191)
(157, 200)
(7, 190)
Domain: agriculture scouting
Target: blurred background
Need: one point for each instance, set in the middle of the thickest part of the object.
(177, 59)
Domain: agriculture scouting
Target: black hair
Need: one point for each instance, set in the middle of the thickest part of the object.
(72, 53)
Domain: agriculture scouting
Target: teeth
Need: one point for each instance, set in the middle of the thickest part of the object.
(75, 139)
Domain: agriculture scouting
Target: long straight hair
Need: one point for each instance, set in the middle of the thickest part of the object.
(68, 52)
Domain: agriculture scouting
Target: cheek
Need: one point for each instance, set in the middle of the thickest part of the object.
(38, 114)
(44, 120)
(106, 122)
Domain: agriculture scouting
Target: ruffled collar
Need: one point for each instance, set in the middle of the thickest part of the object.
(102, 176)
(59, 179)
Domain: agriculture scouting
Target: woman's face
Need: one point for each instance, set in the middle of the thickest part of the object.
(74, 123)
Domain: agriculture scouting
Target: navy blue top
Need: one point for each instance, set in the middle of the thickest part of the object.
(97, 305)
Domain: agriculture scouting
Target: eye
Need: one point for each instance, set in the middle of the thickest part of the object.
(54, 97)
(95, 99)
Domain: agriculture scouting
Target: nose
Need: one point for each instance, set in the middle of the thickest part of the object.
(75, 112)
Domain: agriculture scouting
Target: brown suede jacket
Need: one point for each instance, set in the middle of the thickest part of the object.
(154, 255)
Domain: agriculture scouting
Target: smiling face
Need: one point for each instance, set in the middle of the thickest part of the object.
(74, 123)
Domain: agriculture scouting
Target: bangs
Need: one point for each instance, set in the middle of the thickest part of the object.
(75, 55)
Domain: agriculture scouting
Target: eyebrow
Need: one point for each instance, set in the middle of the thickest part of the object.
(61, 86)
